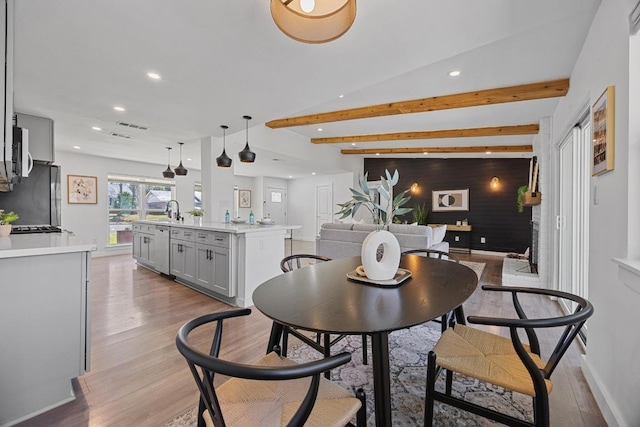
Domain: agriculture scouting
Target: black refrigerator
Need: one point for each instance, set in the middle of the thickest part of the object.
(36, 199)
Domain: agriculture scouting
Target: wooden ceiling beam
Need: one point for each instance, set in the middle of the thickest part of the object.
(526, 92)
(530, 129)
(450, 150)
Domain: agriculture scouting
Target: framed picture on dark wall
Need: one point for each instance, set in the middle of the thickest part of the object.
(450, 200)
(602, 125)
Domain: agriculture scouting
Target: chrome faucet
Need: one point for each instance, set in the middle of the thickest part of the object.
(168, 210)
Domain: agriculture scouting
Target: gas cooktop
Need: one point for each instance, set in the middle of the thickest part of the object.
(28, 229)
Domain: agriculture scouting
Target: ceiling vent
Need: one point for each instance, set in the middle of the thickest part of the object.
(634, 20)
(120, 135)
(132, 125)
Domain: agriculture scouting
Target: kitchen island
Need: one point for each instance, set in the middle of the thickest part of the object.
(224, 260)
(44, 322)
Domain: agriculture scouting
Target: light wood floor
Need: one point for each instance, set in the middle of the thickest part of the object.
(138, 378)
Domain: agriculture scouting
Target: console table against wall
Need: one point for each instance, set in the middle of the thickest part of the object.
(462, 232)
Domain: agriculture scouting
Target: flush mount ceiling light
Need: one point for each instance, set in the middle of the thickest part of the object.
(246, 155)
(168, 173)
(181, 170)
(223, 160)
(311, 21)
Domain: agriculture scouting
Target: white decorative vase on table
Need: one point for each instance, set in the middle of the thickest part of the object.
(5, 230)
(386, 267)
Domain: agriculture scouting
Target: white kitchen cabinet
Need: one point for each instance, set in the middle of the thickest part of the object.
(183, 254)
(6, 84)
(213, 262)
(44, 324)
(144, 239)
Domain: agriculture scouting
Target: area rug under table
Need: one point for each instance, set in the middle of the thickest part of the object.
(408, 349)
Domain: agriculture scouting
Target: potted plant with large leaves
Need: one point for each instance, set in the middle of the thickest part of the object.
(382, 210)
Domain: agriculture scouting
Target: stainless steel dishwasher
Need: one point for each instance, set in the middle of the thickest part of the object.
(161, 248)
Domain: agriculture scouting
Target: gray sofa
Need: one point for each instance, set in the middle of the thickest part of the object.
(345, 240)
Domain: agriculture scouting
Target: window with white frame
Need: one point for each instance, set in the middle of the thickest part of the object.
(134, 198)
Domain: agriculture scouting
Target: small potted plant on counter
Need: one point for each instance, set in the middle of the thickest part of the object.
(197, 215)
(5, 222)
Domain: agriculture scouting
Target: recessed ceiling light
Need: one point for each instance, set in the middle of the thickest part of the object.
(290, 176)
(77, 147)
(319, 129)
(154, 76)
(313, 173)
(488, 152)
(377, 154)
(96, 128)
(454, 73)
(119, 108)
(189, 160)
(353, 144)
(425, 153)
(341, 96)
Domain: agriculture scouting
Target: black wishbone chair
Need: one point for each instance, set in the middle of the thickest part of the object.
(296, 261)
(501, 361)
(272, 391)
(458, 312)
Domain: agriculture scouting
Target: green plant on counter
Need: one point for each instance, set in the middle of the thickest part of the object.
(521, 190)
(7, 218)
(420, 214)
(196, 212)
(382, 215)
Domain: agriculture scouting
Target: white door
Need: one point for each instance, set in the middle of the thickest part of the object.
(324, 205)
(573, 211)
(275, 206)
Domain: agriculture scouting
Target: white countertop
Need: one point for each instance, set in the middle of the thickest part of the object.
(20, 245)
(224, 227)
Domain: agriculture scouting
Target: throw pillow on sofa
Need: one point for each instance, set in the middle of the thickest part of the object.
(438, 234)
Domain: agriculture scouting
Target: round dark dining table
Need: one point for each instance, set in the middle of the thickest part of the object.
(321, 298)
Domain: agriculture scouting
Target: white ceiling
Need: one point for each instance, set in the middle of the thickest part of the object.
(220, 60)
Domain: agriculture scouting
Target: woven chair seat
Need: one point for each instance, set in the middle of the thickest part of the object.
(273, 403)
(488, 357)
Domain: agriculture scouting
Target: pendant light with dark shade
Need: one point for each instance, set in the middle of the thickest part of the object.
(224, 161)
(181, 170)
(168, 173)
(246, 155)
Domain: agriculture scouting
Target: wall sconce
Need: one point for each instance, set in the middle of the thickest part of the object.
(414, 187)
(495, 182)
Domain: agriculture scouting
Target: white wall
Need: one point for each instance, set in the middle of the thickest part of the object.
(91, 222)
(611, 361)
(302, 200)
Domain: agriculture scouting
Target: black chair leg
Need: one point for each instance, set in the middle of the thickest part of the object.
(431, 381)
(361, 416)
(365, 359)
(459, 311)
(285, 340)
(327, 352)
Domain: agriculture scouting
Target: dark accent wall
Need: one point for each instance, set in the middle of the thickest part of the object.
(493, 213)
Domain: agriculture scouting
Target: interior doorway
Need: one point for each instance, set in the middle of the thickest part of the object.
(275, 206)
(324, 205)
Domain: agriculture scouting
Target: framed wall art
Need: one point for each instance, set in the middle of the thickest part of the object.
(82, 189)
(450, 200)
(602, 125)
(244, 198)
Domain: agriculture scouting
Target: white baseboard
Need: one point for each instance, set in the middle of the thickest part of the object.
(605, 402)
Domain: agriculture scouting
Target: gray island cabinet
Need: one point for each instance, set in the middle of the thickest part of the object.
(44, 322)
(225, 261)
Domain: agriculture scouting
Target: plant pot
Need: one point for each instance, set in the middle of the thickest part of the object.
(386, 267)
(5, 230)
(532, 198)
(197, 220)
